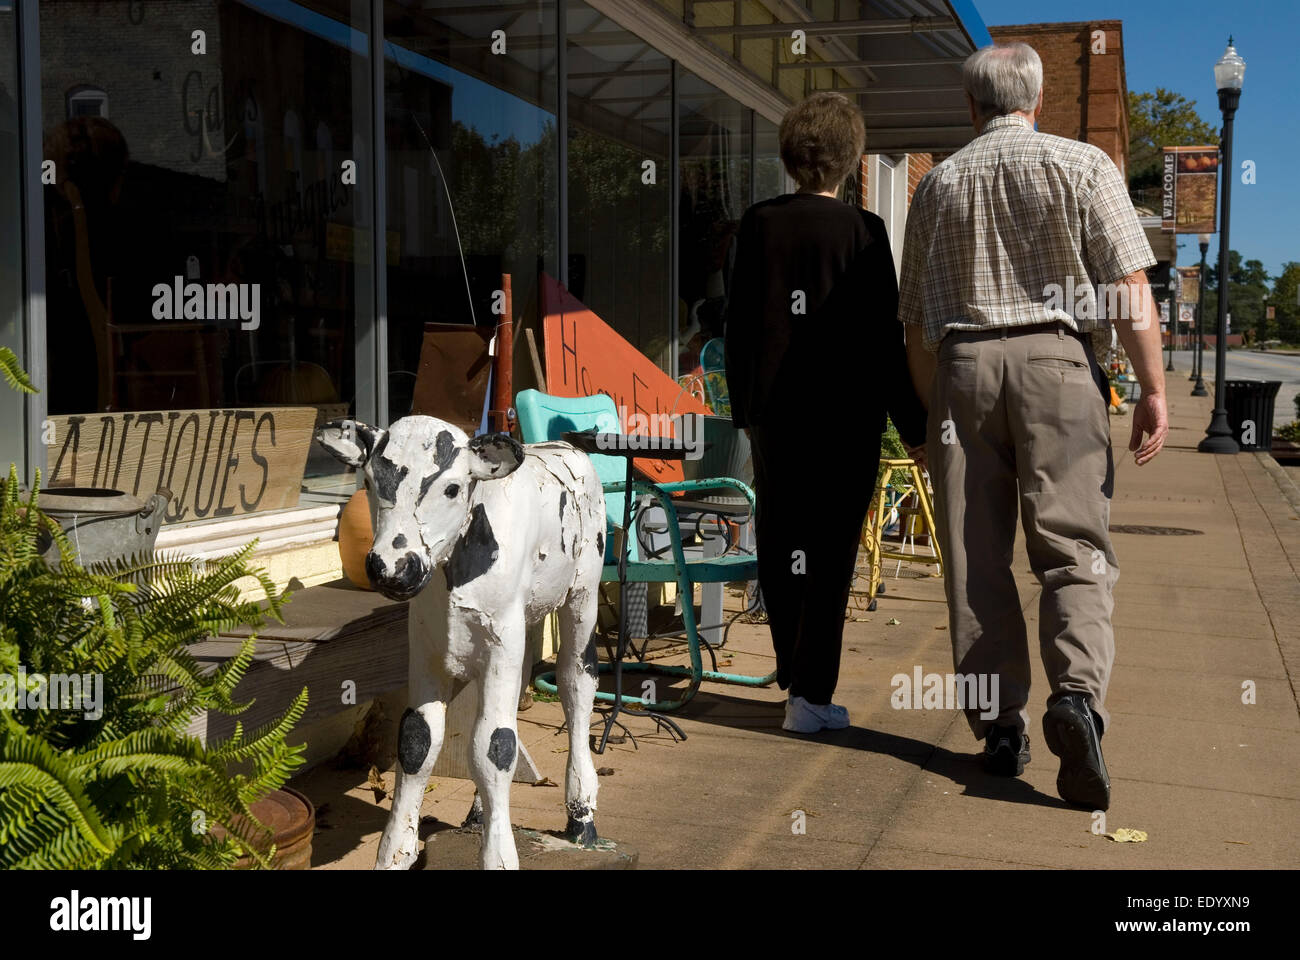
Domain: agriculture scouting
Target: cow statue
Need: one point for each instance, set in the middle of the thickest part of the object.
(484, 537)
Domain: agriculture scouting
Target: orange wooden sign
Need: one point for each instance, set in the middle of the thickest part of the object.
(586, 356)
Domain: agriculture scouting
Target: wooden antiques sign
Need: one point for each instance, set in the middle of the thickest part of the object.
(586, 356)
(216, 463)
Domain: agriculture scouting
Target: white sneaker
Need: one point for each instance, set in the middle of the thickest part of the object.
(804, 717)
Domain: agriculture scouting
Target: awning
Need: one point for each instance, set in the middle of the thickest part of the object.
(900, 59)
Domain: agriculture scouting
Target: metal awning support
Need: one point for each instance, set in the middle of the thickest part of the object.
(834, 28)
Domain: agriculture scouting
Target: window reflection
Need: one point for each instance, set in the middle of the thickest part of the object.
(714, 150)
(620, 199)
(11, 287)
(770, 178)
(213, 160)
(472, 162)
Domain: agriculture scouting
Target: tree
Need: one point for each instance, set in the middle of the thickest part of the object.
(1158, 120)
(1248, 295)
(1286, 288)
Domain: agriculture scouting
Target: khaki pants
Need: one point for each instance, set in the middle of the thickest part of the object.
(1018, 419)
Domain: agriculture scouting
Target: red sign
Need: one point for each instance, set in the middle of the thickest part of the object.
(586, 356)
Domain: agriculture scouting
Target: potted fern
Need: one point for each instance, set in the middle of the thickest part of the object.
(101, 773)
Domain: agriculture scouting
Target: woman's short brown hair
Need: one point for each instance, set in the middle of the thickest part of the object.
(822, 139)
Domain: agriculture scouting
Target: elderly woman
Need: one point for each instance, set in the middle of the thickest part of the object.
(815, 360)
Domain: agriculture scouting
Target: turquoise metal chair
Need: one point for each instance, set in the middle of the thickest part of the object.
(543, 417)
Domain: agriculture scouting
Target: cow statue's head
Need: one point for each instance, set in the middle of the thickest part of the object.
(419, 474)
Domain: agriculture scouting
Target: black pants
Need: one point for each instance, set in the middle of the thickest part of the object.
(808, 533)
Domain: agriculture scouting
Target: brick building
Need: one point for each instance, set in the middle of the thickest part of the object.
(1085, 97)
(1085, 94)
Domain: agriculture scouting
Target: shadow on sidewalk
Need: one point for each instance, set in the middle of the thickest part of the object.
(963, 769)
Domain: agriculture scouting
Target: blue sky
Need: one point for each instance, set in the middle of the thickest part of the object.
(1174, 45)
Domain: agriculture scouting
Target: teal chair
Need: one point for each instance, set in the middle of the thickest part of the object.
(543, 417)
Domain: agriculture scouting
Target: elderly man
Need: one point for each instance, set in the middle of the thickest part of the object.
(1005, 241)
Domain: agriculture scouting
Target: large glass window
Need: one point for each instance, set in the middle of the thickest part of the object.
(472, 168)
(207, 235)
(770, 178)
(620, 179)
(11, 237)
(715, 170)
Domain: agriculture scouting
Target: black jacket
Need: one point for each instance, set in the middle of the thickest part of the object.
(811, 323)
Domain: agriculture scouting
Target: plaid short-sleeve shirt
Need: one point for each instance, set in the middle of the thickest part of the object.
(1015, 229)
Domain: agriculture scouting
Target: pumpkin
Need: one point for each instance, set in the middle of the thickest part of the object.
(355, 538)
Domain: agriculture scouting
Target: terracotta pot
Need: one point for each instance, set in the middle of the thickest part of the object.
(355, 538)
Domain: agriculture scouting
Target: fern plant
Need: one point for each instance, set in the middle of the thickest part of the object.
(128, 787)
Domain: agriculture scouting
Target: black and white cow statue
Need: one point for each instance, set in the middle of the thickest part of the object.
(484, 537)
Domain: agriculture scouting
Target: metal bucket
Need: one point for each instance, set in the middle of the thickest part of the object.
(103, 524)
(291, 818)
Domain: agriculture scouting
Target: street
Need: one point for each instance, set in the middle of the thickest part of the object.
(1249, 364)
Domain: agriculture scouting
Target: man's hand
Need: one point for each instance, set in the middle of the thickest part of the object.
(917, 454)
(1149, 417)
(1140, 336)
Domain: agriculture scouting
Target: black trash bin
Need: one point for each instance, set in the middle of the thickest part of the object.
(1251, 401)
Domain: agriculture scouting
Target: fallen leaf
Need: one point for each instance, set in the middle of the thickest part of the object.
(605, 772)
(1244, 843)
(893, 621)
(375, 781)
(1127, 835)
(545, 782)
(941, 627)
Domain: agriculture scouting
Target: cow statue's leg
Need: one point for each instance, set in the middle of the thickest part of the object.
(577, 672)
(495, 746)
(420, 732)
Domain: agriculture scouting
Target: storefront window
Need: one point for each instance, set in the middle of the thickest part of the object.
(714, 134)
(472, 169)
(770, 178)
(620, 180)
(11, 273)
(207, 233)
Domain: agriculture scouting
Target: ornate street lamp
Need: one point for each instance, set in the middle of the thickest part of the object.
(1228, 75)
(1199, 390)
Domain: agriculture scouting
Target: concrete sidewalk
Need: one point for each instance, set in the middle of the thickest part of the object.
(1214, 782)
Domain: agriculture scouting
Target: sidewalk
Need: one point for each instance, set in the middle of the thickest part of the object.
(1213, 781)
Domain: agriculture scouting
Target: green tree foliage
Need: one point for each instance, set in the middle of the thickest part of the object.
(1158, 120)
(1248, 294)
(128, 788)
(1286, 325)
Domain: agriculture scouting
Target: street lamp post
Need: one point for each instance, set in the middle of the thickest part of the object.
(1173, 314)
(1199, 390)
(1228, 75)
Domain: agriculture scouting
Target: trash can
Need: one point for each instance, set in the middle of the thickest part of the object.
(1250, 411)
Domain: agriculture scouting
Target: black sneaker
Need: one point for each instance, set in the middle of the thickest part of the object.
(1073, 733)
(1006, 751)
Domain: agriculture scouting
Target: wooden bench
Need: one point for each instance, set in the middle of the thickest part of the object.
(332, 633)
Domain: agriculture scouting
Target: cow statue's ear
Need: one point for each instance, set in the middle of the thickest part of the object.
(494, 455)
(349, 441)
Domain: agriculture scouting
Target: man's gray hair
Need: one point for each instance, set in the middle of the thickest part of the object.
(1004, 78)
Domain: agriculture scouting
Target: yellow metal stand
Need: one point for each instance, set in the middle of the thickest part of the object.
(873, 529)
